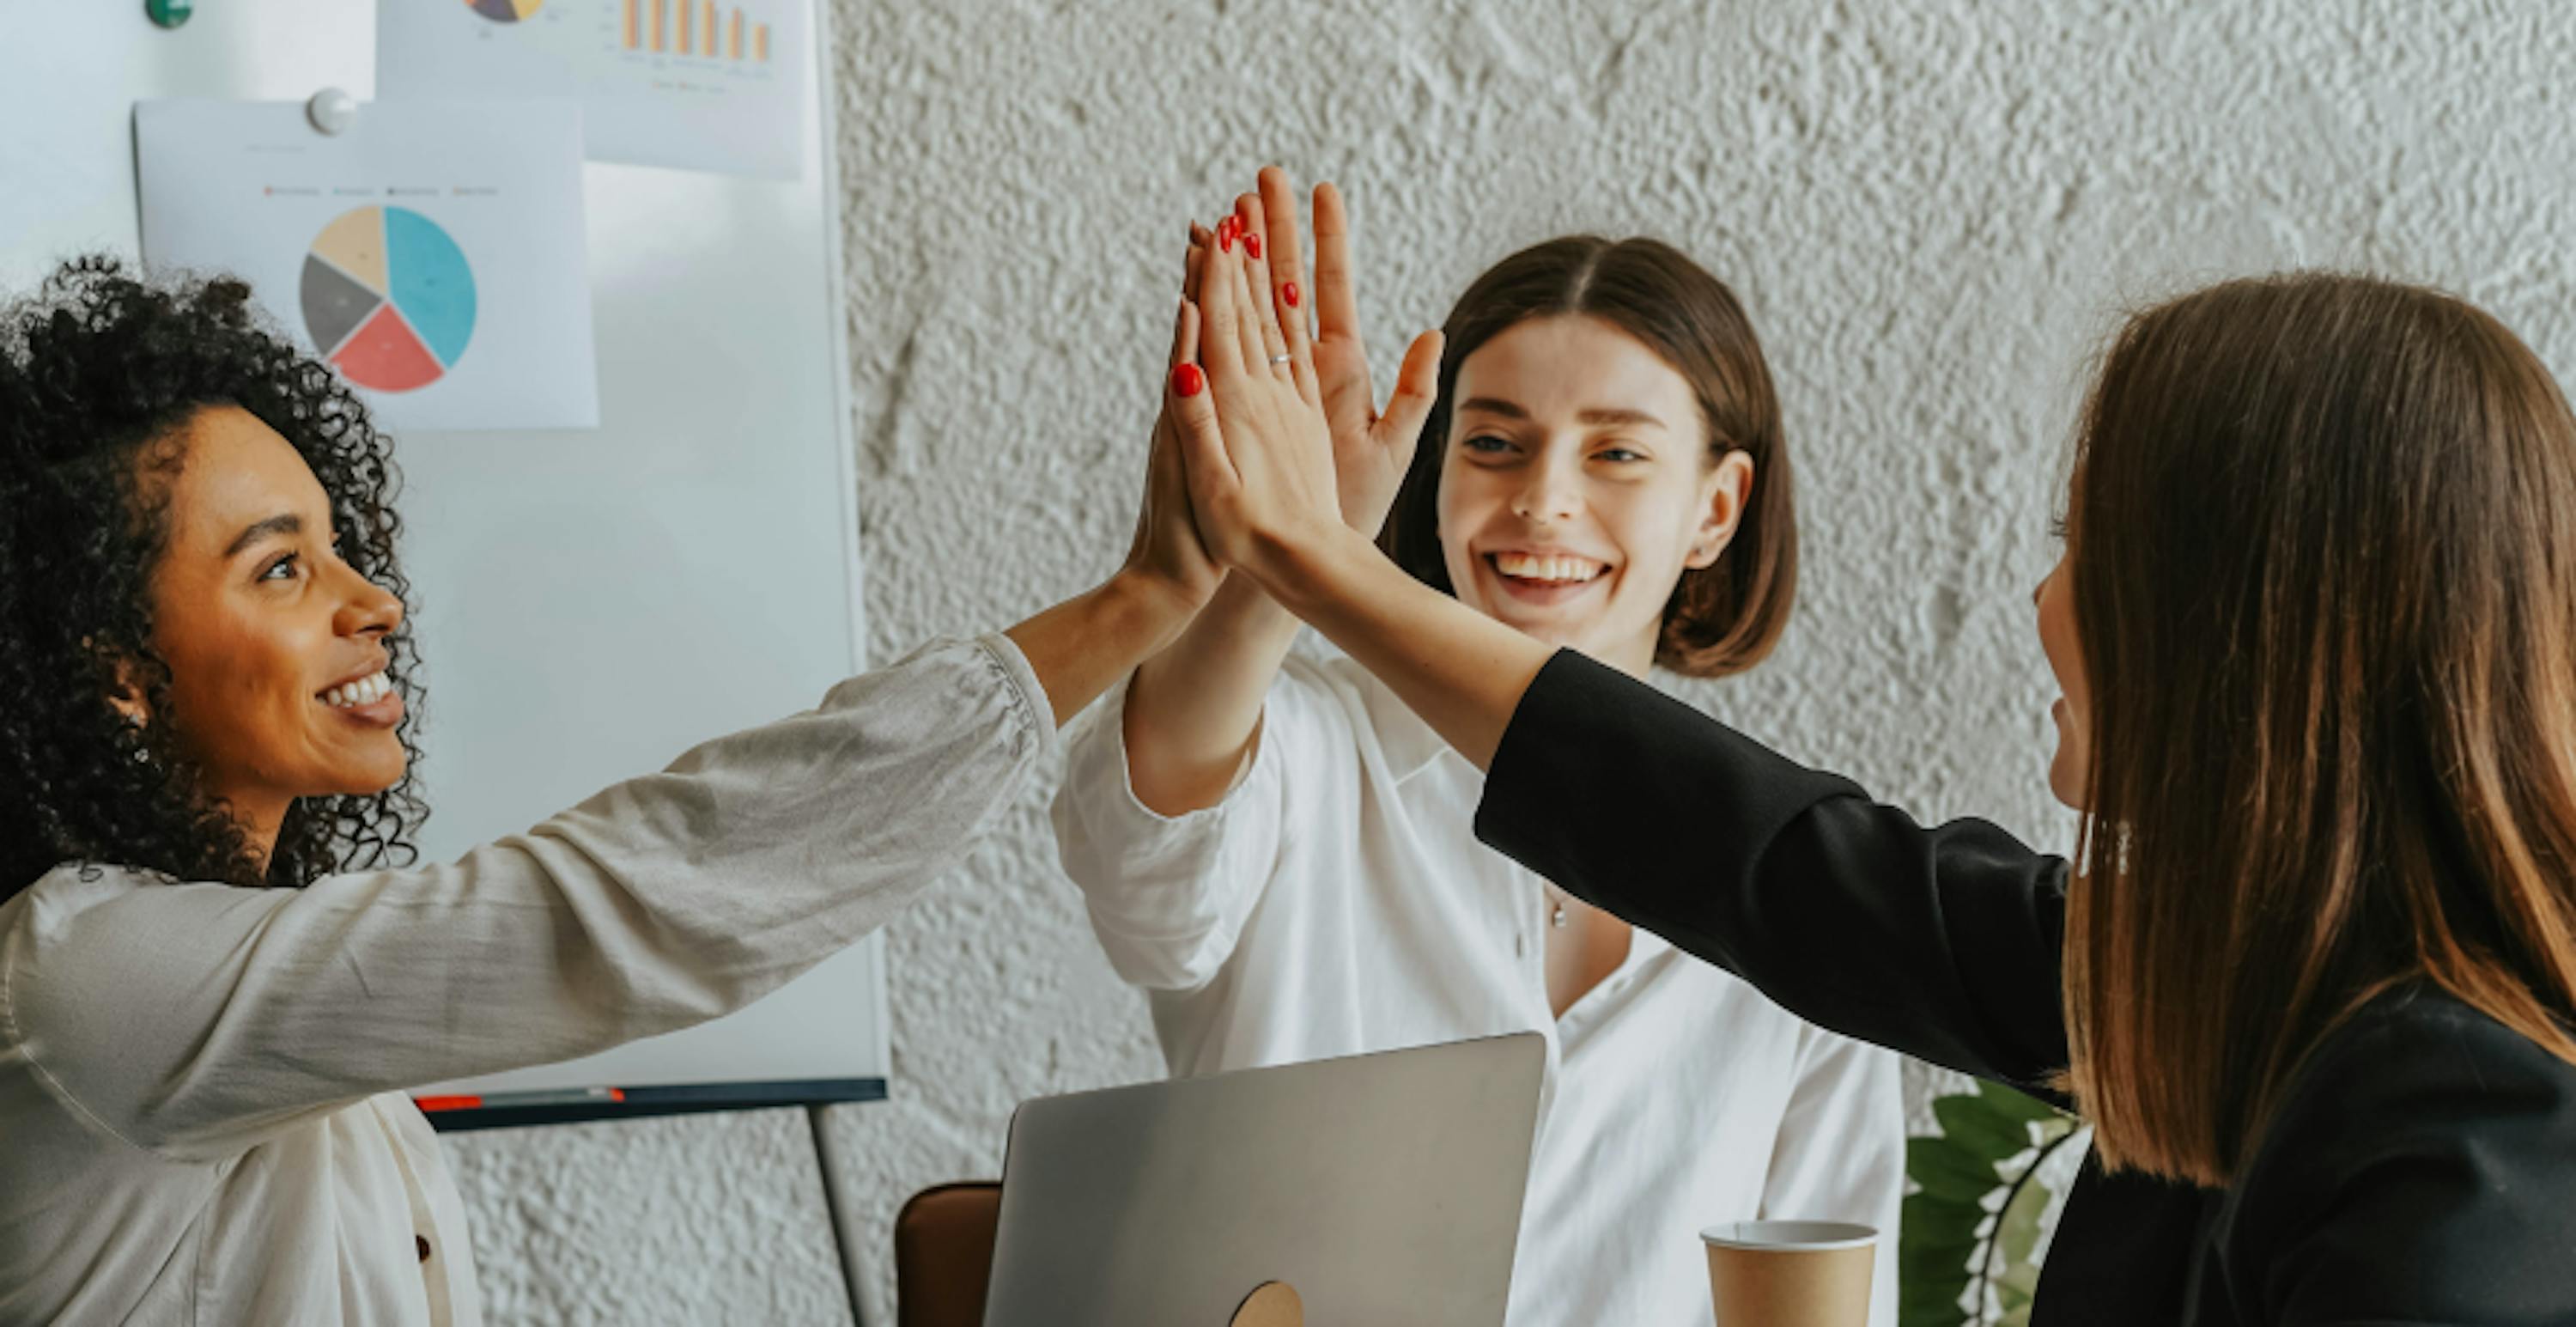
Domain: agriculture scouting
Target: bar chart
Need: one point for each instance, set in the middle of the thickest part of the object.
(696, 28)
(714, 85)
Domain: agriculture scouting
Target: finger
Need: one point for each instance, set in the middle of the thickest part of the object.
(1274, 344)
(1342, 371)
(1417, 386)
(1248, 324)
(1220, 338)
(1184, 337)
(1201, 240)
(1191, 407)
(1266, 306)
(1287, 268)
(1337, 310)
(1167, 489)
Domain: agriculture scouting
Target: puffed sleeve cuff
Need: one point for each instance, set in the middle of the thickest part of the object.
(1165, 892)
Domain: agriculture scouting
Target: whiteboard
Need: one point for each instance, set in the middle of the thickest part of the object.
(591, 603)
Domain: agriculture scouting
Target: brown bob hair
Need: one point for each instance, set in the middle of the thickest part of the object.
(2323, 551)
(1724, 617)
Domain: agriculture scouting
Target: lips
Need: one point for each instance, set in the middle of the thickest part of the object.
(368, 700)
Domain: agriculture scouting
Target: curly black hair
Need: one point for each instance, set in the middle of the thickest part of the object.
(99, 373)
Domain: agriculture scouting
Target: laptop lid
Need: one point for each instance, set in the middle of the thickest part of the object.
(1385, 1189)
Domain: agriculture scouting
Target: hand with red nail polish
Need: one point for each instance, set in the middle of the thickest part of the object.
(1371, 448)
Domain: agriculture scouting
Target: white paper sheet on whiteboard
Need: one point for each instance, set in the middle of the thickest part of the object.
(712, 85)
(432, 252)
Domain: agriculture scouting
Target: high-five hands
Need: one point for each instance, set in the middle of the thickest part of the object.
(1250, 417)
(1280, 429)
(1370, 448)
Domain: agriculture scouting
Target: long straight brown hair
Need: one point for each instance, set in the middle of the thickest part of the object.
(2323, 547)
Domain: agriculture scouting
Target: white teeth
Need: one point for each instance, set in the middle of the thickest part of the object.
(365, 691)
(1531, 567)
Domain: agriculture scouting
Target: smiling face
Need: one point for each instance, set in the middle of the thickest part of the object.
(276, 648)
(1577, 487)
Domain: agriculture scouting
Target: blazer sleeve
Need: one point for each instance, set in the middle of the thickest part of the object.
(1940, 942)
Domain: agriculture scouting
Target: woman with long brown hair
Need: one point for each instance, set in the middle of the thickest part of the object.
(2312, 968)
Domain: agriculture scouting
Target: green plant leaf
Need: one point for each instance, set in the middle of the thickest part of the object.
(1935, 1262)
(2017, 1105)
(1976, 1124)
(2017, 1229)
(1948, 1170)
(1929, 1218)
(2017, 1316)
(1924, 1304)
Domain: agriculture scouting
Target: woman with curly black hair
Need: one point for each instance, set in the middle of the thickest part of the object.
(218, 964)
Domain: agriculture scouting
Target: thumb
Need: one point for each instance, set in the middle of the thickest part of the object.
(1191, 408)
(1417, 386)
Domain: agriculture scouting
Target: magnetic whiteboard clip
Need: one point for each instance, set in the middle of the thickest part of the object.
(332, 111)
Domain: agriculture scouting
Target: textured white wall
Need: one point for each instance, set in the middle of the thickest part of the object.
(1933, 208)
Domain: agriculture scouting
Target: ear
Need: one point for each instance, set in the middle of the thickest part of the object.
(125, 690)
(1724, 491)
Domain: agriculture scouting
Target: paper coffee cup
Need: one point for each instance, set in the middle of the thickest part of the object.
(1790, 1273)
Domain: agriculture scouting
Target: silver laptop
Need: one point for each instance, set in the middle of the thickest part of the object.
(1385, 1189)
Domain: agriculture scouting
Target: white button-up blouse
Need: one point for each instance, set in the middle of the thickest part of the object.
(1336, 902)
(201, 1115)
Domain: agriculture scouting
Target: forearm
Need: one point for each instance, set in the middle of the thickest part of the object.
(1081, 647)
(1193, 709)
(1461, 671)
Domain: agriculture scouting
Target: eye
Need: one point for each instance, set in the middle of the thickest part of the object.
(1620, 454)
(286, 566)
(1486, 444)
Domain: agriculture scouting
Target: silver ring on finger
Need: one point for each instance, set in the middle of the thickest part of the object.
(1281, 358)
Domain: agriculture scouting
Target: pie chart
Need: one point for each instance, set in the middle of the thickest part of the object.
(505, 11)
(388, 298)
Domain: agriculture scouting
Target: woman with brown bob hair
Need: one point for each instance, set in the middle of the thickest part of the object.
(1282, 855)
(2312, 970)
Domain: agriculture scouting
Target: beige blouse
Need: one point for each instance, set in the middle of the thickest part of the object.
(201, 1115)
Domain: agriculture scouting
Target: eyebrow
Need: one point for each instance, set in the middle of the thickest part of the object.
(274, 525)
(1494, 405)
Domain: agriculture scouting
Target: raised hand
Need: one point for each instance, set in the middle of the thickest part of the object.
(1167, 555)
(1371, 448)
(1251, 419)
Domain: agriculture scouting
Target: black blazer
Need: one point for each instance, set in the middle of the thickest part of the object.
(2422, 1167)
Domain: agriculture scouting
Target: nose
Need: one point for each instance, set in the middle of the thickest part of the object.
(1547, 495)
(366, 608)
